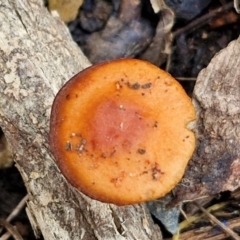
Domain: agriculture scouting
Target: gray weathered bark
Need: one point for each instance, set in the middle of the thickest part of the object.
(215, 165)
(37, 56)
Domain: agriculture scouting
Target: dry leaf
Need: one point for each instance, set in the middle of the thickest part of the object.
(67, 9)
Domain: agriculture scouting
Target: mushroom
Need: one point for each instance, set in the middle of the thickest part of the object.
(119, 131)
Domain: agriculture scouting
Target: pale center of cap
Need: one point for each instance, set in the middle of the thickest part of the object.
(117, 125)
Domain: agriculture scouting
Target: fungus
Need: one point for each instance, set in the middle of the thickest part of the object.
(118, 131)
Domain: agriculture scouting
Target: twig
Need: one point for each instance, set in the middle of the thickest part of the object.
(203, 19)
(186, 78)
(5, 236)
(11, 229)
(169, 61)
(16, 210)
(237, 6)
(215, 220)
(191, 219)
(208, 232)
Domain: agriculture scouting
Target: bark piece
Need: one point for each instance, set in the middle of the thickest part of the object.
(6, 159)
(37, 57)
(215, 165)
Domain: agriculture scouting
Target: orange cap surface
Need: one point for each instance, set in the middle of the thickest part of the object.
(119, 133)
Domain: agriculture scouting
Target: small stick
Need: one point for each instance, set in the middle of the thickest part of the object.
(10, 228)
(17, 209)
(237, 6)
(186, 78)
(5, 236)
(206, 232)
(215, 220)
(203, 19)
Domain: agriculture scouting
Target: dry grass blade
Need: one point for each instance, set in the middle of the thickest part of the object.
(229, 231)
(195, 218)
(209, 232)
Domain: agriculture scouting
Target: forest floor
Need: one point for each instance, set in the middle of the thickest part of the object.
(183, 42)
